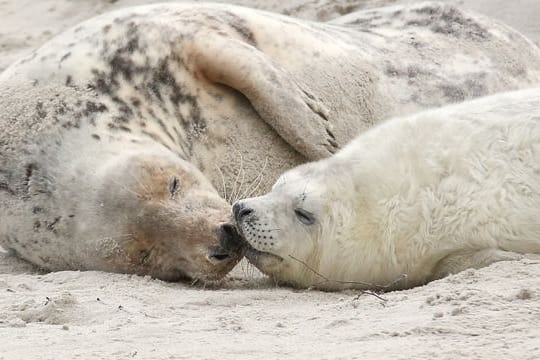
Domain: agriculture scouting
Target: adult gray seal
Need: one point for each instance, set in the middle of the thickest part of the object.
(115, 134)
(409, 201)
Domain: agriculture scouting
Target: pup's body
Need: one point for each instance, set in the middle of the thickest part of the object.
(421, 196)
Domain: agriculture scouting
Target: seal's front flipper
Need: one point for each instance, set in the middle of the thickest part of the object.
(475, 259)
(290, 107)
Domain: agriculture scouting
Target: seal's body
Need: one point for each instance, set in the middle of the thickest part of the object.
(114, 135)
(420, 196)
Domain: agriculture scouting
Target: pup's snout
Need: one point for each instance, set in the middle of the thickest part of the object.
(240, 211)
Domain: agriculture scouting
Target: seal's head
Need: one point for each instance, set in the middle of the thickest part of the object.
(294, 232)
(163, 218)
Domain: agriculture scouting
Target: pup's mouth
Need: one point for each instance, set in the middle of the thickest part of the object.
(253, 255)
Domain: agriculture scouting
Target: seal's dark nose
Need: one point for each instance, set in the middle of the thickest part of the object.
(230, 246)
(229, 239)
(218, 254)
(240, 211)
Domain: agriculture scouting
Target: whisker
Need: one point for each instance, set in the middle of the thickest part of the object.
(258, 179)
(368, 292)
(241, 171)
(236, 195)
(222, 183)
(237, 177)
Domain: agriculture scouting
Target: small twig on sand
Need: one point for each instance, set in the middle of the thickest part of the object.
(362, 292)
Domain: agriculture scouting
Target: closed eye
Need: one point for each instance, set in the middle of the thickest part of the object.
(304, 216)
(174, 186)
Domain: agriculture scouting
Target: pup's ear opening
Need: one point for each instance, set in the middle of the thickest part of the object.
(282, 101)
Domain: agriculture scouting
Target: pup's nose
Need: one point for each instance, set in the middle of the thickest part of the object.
(240, 211)
(229, 238)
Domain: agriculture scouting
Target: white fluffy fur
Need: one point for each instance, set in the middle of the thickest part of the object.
(421, 196)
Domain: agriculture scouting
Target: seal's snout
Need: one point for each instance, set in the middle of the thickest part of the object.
(230, 244)
(241, 211)
(218, 254)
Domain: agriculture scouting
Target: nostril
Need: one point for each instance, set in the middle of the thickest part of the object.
(218, 254)
(244, 212)
(240, 211)
(220, 257)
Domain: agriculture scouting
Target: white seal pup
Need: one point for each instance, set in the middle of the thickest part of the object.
(114, 135)
(412, 199)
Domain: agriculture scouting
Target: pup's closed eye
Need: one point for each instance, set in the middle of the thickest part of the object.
(304, 216)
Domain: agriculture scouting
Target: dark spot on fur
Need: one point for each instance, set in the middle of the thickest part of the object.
(93, 108)
(69, 80)
(5, 187)
(40, 111)
(413, 71)
(239, 25)
(51, 225)
(96, 136)
(449, 20)
(476, 86)
(330, 133)
(165, 129)
(154, 81)
(72, 124)
(65, 56)
(122, 106)
(453, 93)
(29, 171)
(37, 210)
(156, 138)
(135, 102)
(391, 70)
(333, 143)
(104, 83)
